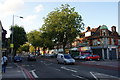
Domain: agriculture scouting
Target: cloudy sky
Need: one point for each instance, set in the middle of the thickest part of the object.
(94, 12)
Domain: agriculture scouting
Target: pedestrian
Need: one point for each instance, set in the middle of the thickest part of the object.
(4, 63)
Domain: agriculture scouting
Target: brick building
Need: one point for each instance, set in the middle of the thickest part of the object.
(102, 41)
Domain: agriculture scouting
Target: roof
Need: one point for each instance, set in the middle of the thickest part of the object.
(103, 27)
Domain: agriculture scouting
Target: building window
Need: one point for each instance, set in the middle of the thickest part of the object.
(95, 42)
(118, 42)
(103, 32)
(108, 41)
(105, 41)
(112, 41)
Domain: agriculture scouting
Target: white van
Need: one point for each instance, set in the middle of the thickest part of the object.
(65, 58)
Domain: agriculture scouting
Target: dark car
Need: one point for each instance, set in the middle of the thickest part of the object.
(31, 57)
(17, 58)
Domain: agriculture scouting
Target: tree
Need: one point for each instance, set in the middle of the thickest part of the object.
(47, 40)
(35, 39)
(31, 49)
(39, 39)
(27, 47)
(63, 25)
(19, 37)
(24, 47)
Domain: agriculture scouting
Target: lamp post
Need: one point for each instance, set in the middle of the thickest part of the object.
(0, 47)
(12, 29)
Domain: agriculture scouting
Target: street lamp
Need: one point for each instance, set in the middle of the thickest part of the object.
(12, 45)
(0, 45)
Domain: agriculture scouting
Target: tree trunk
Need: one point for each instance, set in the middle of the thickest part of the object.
(35, 49)
(64, 47)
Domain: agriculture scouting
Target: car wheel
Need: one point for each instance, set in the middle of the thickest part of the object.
(65, 62)
(98, 59)
(28, 59)
(73, 63)
(90, 59)
(58, 62)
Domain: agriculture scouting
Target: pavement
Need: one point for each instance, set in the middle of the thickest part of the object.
(106, 64)
(15, 72)
(110, 63)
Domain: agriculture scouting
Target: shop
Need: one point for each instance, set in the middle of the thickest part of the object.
(85, 50)
(106, 52)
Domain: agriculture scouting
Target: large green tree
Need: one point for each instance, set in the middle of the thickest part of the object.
(39, 39)
(63, 25)
(19, 37)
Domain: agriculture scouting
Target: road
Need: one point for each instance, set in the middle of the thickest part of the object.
(48, 68)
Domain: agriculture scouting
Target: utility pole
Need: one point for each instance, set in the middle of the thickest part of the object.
(0, 49)
(12, 41)
(12, 45)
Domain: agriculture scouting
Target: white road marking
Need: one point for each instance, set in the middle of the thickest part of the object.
(33, 73)
(79, 76)
(101, 75)
(93, 75)
(68, 69)
(32, 65)
(26, 65)
(57, 69)
(18, 71)
(9, 67)
(74, 68)
(47, 64)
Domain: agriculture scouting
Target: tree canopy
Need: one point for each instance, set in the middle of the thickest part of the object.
(39, 39)
(19, 36)
(63, 25)
(34, 38)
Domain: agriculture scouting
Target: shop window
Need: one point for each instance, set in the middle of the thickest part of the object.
(118, 42)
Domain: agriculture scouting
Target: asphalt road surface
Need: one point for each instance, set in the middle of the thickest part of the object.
(46, 68)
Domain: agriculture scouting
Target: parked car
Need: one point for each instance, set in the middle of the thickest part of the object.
(65, 58)
(92, 57)
(31, 57)
(77, 57)
(82, 57)
(17, 58)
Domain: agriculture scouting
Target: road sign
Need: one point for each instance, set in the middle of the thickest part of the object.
(11, 45)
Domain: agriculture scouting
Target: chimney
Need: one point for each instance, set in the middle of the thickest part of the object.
(88, 29)
(113, 28)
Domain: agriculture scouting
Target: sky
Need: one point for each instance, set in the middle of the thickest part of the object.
(93, 12)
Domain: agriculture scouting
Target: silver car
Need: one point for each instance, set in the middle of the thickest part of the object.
(65, 58)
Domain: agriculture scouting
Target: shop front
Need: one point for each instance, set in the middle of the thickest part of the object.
(106, 52)
(85, 50)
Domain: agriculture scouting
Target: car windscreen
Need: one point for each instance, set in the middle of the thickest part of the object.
(67, 57)
(32, 55)
(87, 55)
(17, 57)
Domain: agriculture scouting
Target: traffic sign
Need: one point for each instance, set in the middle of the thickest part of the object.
(11, 45)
